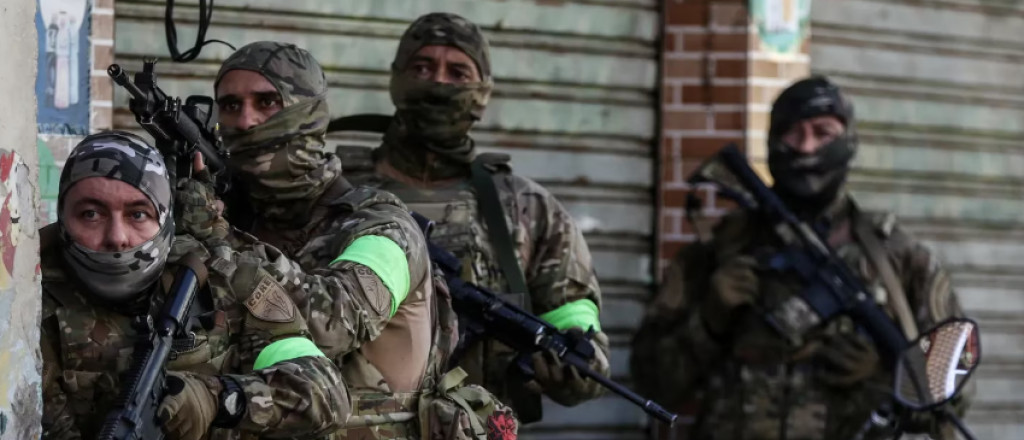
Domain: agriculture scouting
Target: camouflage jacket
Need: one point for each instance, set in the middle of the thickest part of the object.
(348, 307)
(549, 247)
(85, 347)
(675, 361)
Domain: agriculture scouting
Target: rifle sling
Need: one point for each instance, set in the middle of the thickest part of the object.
(865, 231)
(489, 203)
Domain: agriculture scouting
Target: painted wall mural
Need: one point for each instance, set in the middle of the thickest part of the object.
(62, 79)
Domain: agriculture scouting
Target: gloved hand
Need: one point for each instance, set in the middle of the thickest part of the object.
(199, 211)
(847, 360)
(563, 383)
(733, 285)
(189, 406)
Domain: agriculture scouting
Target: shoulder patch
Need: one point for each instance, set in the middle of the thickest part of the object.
(377, 294)
(269, 302)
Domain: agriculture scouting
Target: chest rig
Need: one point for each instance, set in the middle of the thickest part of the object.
(87, 347)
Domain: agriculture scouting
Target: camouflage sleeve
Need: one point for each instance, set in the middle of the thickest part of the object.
(345, 304)
(559, 272)
(58, 423)
(672, 349)
(299, 392)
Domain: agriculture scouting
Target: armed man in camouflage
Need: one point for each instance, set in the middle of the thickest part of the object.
(702, 339)
(440, 84)
(374, 307)
(251, 368)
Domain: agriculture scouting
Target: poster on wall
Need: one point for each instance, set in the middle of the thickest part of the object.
(782, 24)
(62, 79)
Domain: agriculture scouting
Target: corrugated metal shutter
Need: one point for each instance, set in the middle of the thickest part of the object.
(940, 107)
(574, 106)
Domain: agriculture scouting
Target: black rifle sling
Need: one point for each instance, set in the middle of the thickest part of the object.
(489, 203)
(526, 403)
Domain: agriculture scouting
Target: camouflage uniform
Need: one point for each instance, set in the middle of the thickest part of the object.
(309, 212)
(425, 161)
(752, 384)
(87, 337)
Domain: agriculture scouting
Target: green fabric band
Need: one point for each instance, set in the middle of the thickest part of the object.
(285, 350)
(582, 314)
(386, 259)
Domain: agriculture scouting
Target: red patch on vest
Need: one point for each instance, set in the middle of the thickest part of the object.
(501, 426)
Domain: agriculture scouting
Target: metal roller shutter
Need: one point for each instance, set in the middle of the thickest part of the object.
(940, 107)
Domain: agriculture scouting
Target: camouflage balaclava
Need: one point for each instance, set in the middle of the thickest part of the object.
(810, 183)
(433, 116)
(118, 277)
(282, 161)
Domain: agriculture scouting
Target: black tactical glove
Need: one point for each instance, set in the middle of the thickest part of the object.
(847, 360)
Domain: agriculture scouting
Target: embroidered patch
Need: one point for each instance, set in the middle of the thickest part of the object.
(270, 302)
(377, 294)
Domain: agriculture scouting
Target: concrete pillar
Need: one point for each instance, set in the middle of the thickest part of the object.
(724, 62)
(20, 363)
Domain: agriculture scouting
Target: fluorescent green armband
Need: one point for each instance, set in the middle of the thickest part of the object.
(386, 259)
(285, 350)
(582, 314)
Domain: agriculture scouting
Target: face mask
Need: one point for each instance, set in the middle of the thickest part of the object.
(283, 158)
(438, 116)
(811, 181)
(119, 277)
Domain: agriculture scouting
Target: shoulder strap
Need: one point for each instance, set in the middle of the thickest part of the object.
(865, 231)
(489, 203)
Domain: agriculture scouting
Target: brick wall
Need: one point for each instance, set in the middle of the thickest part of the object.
(718, 85)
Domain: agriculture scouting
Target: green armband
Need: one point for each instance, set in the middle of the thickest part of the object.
(582, 314)
(386, 260)
(286, 350)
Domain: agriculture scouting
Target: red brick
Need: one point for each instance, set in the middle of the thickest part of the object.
(102, 26)
(668, 171)
(101, 88)
(765, 69)
(666, 146)
(717, 42)
(685, 120)
(730, 120)
(718, 94)
(676, 198)
(688, 13)
(701, 148)
(730, 68)
(683, 68)
(102, 57)
(730, 13)
(669, 41)
(668, 92)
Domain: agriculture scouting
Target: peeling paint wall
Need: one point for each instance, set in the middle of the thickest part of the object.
(20, 364)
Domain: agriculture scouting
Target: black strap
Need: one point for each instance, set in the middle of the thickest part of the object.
(489, 203)
(367, 122)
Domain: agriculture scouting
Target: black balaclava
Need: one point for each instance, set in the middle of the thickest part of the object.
(810, 183)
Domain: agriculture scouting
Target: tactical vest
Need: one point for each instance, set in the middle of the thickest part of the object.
(459, 227)
(780, 400)
(86, 347)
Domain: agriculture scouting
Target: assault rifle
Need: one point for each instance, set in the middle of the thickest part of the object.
(482, 314)
(134, 416)
(179, 129)
(830, 287)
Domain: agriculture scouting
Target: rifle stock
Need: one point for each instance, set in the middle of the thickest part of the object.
(487, 315)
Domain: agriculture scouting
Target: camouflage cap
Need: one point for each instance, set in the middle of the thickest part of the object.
(444, 29)
(119, 276)
(292, 70)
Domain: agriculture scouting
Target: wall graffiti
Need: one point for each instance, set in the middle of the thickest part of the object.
(13, 174)
(62, 78)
